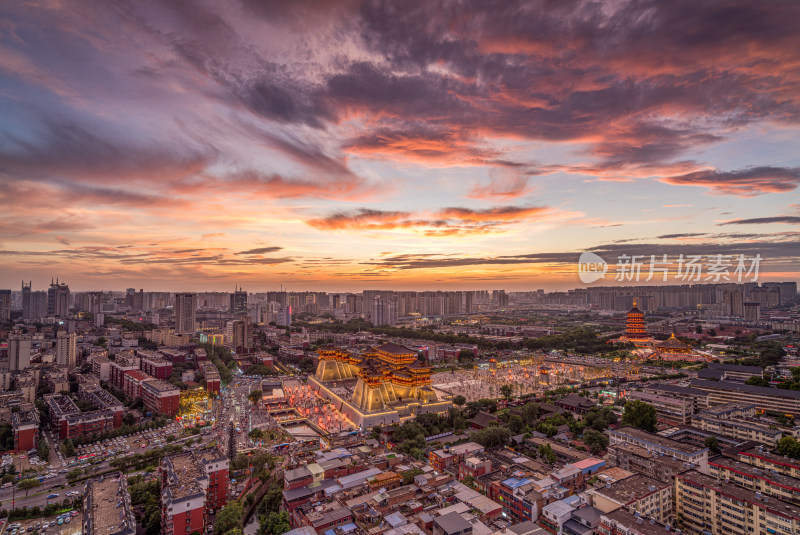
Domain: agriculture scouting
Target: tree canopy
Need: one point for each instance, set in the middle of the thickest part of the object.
(640, 415)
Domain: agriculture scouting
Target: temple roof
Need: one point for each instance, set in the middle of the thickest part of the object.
(672, 343)
(395, 349)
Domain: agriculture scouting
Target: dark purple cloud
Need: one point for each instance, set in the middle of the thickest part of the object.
(742, 182)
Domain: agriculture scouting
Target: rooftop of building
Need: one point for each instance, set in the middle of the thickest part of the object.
(657, 398)
(157, 385)
(61, 405)
(757, 370)
(726, 408)
(25, 416)
(395, 349)
(297, 473)
(755, 472)
(631, 488)
(137, 375)
(108, 506)
(675, 389)
(452, 523)
(527, 528)
(328, 516)
(658, 441)
(184, 476)
(574, 400)
(742, 494)
(763, 391)
(637, 525)
(644, 452)
(763, 453)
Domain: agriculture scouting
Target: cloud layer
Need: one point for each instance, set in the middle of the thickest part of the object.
(225, 125)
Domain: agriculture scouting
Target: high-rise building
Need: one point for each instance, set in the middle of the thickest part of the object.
(239, 302)
(19, 352)
(26, 300)
(5, 305)
(284, 317)
(384, 310)
(185, 313)
(242, 335)
(66, 349)
(58, 300)
(134, 299)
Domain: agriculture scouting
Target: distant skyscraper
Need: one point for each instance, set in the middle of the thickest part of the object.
(468, 299)
(185, 313)
(5, 305)
(19, 352)
(58, 300)
(239, 302)
(284, 316)
(134, 299)
(384, 310)
(66, 349)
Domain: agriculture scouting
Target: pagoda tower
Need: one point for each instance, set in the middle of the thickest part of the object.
(634, 326)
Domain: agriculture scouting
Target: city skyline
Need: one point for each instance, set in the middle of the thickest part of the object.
(337, 146)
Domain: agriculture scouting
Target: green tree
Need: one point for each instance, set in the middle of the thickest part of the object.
(255, 396)
(757, 381)
(459, 400)
(274, 523)
(43, 450)
(515, 424)
(595, 440)
(256, 434)
(712, 444)
(506, 391)
(409, 475)
(68, 448)
(547, 454)
(640, 415)
(492, 437)
(74, 474)
(230, 517)
(28, 484)
(789, 447)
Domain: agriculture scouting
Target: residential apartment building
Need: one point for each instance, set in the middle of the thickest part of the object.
(670, 410)
(705, 504)
(124, 361)
(776, 400)
(25, 426)
(194, 484)
(450, 457)
(154, 365)
(767, 482)
(623, 522)
(698, 398)
(649, 497)
(694, 456)
(107, 508)
(160, 397)
(760, 457)
(737, 420)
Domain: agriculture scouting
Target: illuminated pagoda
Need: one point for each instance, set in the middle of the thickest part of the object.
(383, 385)
(674, 349)
(635, 329)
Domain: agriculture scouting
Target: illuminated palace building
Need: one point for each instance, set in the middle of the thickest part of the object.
(383, 385)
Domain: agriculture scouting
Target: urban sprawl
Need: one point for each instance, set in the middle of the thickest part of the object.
(613, 410)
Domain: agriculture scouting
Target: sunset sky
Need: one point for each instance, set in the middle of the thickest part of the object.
(410, 145)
